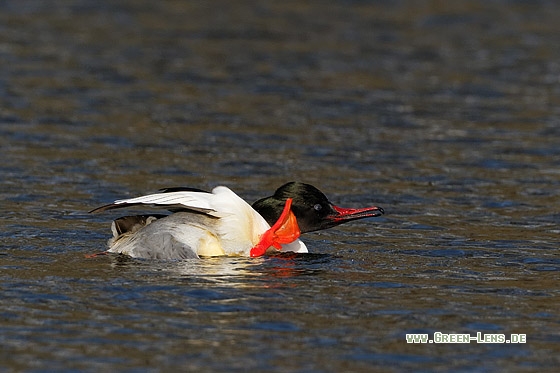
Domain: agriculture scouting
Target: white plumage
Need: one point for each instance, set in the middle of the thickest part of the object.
(193, 200)
(204, 224)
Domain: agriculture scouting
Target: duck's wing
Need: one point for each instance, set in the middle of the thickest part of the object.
(182, 189)
(190, 200)
(133, 223)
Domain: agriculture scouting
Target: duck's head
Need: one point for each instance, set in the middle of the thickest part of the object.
(311, 207)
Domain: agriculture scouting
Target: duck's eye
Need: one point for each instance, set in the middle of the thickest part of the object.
(318, 207)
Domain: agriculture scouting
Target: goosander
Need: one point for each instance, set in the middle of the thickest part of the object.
(220, 223)
(203, 224)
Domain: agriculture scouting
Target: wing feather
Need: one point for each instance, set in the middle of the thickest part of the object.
(189, 200)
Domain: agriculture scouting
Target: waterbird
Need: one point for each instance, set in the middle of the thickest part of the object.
(221, 223)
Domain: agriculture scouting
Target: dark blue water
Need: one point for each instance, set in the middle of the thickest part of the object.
(446, 115)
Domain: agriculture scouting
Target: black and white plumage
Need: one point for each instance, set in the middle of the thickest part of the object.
(202, 224)
(221, 223)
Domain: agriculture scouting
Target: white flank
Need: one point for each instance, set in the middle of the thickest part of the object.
(237, 230)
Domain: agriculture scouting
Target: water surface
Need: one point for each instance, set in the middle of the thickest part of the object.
(446, 115)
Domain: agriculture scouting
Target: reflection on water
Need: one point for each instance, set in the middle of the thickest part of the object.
(211, 268)
(228, 271)
(445, 114)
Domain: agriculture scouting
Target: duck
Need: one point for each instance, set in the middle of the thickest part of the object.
(217, 223)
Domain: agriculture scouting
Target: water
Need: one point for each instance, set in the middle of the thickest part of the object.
(446, 115)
